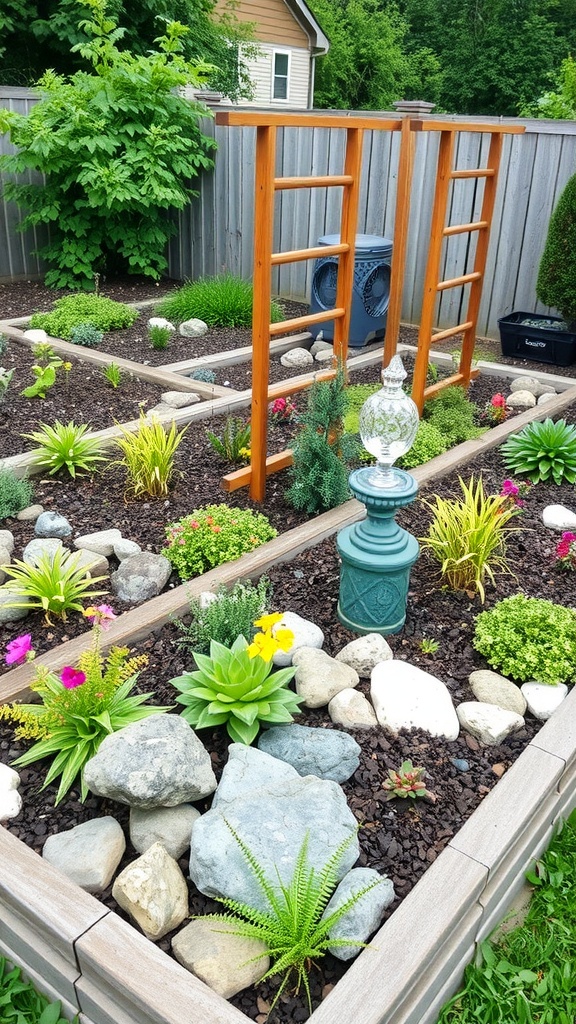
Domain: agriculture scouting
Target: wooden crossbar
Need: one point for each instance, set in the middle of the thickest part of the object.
(456, 378)
(459, 229)
(317, 252)
(451, 331)
(480, 172)
(241, 477)
(451, 127)
(322, 181)
(453, 282)
(284, 326)
(297, 384)
(257, 119)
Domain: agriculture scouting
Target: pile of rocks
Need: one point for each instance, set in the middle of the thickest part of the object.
(302, 358)
(526, 392)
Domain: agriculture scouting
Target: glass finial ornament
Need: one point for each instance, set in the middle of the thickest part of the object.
(388, 423)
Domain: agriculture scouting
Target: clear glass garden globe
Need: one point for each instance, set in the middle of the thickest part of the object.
(388, 423)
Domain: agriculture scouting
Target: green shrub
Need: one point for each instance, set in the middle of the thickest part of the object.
(212, 535)
(356, 395)
(86, 334)
(222, 301)
(529, 638)
(72, 311)
(428, 443)
(16, 493)
(556, 284)
(118, 147)
(468, 536)
(453, 414)
(65, 444)
(543, 451)
(230, 615)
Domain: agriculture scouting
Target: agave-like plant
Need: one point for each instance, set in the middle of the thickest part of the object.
(408, 781)
(65, 444)
(234, 688)
(543, 451)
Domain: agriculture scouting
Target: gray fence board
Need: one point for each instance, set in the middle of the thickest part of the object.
(216, 231)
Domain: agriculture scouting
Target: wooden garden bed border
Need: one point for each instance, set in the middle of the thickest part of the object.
(77, 950)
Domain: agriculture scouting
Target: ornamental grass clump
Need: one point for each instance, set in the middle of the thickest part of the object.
(236, 686)
(221, 301)
(55, 583)
(543, 452)
(529, 638)
(148, 457)
(65, 445)
(79, 707)
(234, 444)
(468, 536)
(297, 924)
(212, 535)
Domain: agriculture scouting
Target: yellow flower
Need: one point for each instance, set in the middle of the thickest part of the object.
(267, 621)
(263, 646)
(284, 639)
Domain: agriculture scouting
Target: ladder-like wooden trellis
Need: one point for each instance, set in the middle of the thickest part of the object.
(266, 186)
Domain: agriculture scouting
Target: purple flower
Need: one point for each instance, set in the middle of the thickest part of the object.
(71, 677)
(19, 650)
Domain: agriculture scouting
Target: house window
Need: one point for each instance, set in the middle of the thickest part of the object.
(281, 71)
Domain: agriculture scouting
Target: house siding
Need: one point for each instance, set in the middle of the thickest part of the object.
(274, 22)
(261, 70)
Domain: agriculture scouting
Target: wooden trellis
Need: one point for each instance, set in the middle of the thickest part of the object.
(266, 186)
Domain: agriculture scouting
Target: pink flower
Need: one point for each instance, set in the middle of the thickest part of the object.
(194, 525)
(498, 401)
(509, 489)
(216, 529)
(101, 615)
(19, 650)
(71, 678)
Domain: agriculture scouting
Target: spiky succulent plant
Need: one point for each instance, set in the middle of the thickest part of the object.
(543, 451)
(408, 781)
(235, 687)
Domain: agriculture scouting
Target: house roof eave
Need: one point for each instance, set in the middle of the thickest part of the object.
(303, 14)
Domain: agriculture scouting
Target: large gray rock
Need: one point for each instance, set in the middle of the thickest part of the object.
(319, 677)
(531, 384)
(193, 328)
(363, 918)
(326, 753)
(141, 577)
(179, 399)
(227, 963)
(157, 762)
(89, 853)
(153, 891)
(52, 524)
(297, 358)
(521, 400)
(365, 653)
(170, 826)
(272, 808)
(41, 547)
(8, 612)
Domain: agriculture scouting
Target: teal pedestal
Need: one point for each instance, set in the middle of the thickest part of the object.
(377, 556)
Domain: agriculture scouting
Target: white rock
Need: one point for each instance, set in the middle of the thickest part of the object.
(30, 513)
(543, 700)
(306, 634)
(102, 542)
(10, 804)
(487, 722)
(126, 548)
(95, 565)
(319, 677)
(179, 399)
(171, 826)
(36, 335)
(41, 547)
(297, 357)
(558, 517)
(547, 396)
(153, 891)
(521, 400)
(8, 611)
(160, 321)
(406, 697)
(324, 356)
(352, 710)
(9, 779)
(365, 653)
(223, 961)
(531, 384)
(321, 346)
(89, 853)
(7, 540)
(193, 328)
(4, 556)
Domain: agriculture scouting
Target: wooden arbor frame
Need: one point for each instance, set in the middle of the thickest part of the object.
(266, 186)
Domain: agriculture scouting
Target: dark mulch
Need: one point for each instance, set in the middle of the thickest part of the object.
(397, 838)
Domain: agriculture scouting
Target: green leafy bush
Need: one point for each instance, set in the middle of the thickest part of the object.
(65, 444)
(212, 535)
(222, 301)
(453, 414)
(356, 395)
(74, 311)
(468, 536)
(428, 443)
(45, 379)
(556, 284)
(118, 147)
(234, 445)
(56, 584)
(148, 457)
(542, 452)
(296, 927)
(15, 493)
(86, 334)
(529, 638)
(319, 474)
(231, 614)
(78, 708)
(20, 1003)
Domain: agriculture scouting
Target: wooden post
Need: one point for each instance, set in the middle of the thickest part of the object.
(345, 281)
(263, 232)
(401, 221)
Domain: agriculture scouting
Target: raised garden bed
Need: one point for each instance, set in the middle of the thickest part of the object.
(459, 897)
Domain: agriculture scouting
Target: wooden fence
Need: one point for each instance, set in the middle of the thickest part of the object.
(216, 231)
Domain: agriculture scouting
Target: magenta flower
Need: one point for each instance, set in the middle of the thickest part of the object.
(101, 615)
(19, 650)
(510, 489)
(71, 677)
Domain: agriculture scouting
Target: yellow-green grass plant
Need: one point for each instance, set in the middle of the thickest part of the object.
(468, 536)
(148, 457)
(65, 445)
(56, 583)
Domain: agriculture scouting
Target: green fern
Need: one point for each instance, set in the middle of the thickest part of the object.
(294, 930)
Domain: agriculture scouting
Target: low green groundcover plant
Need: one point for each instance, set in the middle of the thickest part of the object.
(231, 614)
(543, 452)
(530, 976)
(212, 535)
(73, 310)
(20, 1003)
(529, 638)
(15, 493)
(236, 686)
(222, 301)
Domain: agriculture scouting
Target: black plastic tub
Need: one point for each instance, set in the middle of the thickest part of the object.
(546, 344)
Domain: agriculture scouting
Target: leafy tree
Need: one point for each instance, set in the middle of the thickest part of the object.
(558, 103)
(118, 147)
(39, 34)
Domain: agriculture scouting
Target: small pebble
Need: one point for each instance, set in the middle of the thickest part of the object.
(460, 764)
(472, 742)
(498, 770)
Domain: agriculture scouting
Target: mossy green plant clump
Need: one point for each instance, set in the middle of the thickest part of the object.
(71, 311)
(529, 638)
